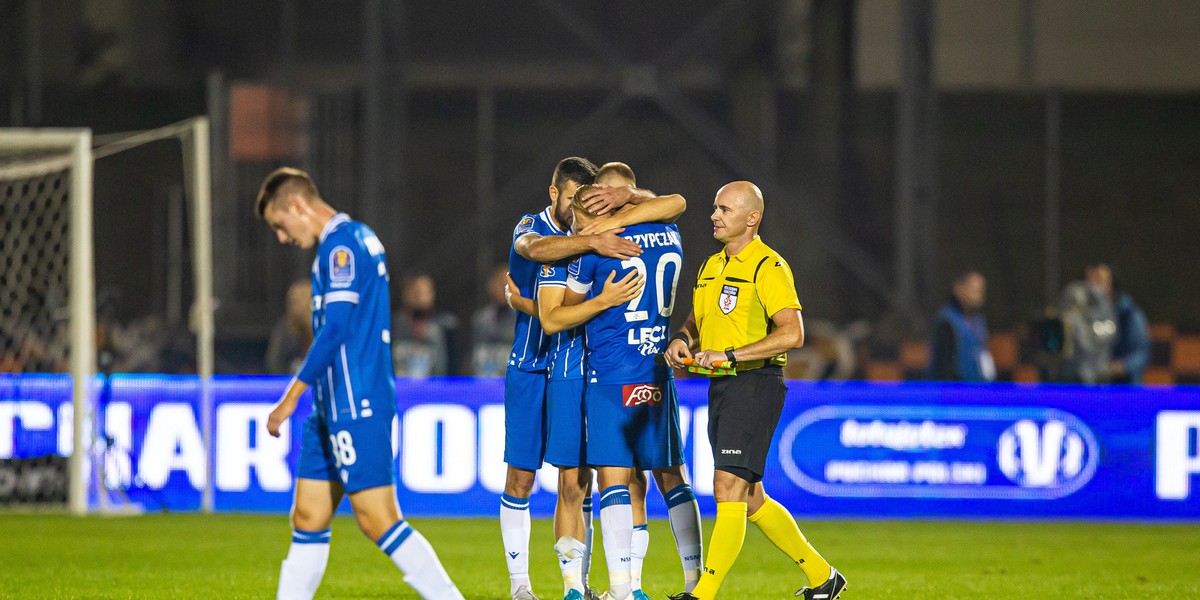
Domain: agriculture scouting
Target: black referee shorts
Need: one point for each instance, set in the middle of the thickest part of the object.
(743, 411)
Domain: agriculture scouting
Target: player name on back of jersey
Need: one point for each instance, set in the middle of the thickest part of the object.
(654, 239)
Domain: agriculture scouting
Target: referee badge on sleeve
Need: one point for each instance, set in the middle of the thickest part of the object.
(728, 299)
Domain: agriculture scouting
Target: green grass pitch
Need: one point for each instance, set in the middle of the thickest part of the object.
(237, 556)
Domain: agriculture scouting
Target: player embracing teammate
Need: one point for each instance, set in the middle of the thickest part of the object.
(631, 408)
(561, 416)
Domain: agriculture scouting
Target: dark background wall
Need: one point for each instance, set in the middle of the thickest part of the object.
(790, 92)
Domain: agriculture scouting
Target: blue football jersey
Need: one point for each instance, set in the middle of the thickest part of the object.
(622, 341)
(352, 379)
(530, 344)
(565, 360)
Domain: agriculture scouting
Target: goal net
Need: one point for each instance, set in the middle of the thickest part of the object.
(50, 220)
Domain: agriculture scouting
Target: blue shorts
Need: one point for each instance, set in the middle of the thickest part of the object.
(565, 445)
(524, 419)
(633, 425)
(355, 452)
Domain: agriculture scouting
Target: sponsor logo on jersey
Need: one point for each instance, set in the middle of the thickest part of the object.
(649, 340)
(341, 267)
(728, 299)
(547, 271)
(637, 394)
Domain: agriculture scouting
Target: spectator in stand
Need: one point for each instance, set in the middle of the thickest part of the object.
(23, 351)
(959, 350)
(492, 329)
(1089, 330)
(1131, 348)
(293, 332)
(422, 339)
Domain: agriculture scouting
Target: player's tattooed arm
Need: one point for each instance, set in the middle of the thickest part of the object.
(659, 209)
(553, 248)
(558, 313)
(516, 301)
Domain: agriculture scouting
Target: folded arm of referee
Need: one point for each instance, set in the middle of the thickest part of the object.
(788, 334)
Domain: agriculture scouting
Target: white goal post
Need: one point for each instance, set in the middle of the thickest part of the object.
(27, 154)
(74, 156)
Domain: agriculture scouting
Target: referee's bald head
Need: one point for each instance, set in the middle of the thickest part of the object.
(743, 192)
(737, 212)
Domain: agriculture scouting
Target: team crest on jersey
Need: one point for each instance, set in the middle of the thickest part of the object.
(547, 271)
(525, 226)
(728, 299)
(341, 267)
(637, 394)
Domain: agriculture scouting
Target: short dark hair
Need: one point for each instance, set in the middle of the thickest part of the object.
(573, 168)
(284, 181)
(618, 168)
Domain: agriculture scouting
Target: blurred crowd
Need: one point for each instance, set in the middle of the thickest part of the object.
(1095, 334)
(426, 341)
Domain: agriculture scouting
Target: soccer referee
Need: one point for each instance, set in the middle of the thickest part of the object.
(745, 311)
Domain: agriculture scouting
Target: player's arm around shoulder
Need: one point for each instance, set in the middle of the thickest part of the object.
(552, 248)
(658, 209)
(561, 308)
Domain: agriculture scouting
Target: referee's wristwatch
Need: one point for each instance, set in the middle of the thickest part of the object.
(730, 357)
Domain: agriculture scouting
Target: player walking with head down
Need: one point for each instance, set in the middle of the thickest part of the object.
(631, 407)
(347, 446)
(745, 311)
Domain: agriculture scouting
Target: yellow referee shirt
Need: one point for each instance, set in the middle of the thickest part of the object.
(734, 298)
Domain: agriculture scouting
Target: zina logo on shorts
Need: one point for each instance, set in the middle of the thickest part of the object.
(1040, 455)
(637, 394)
